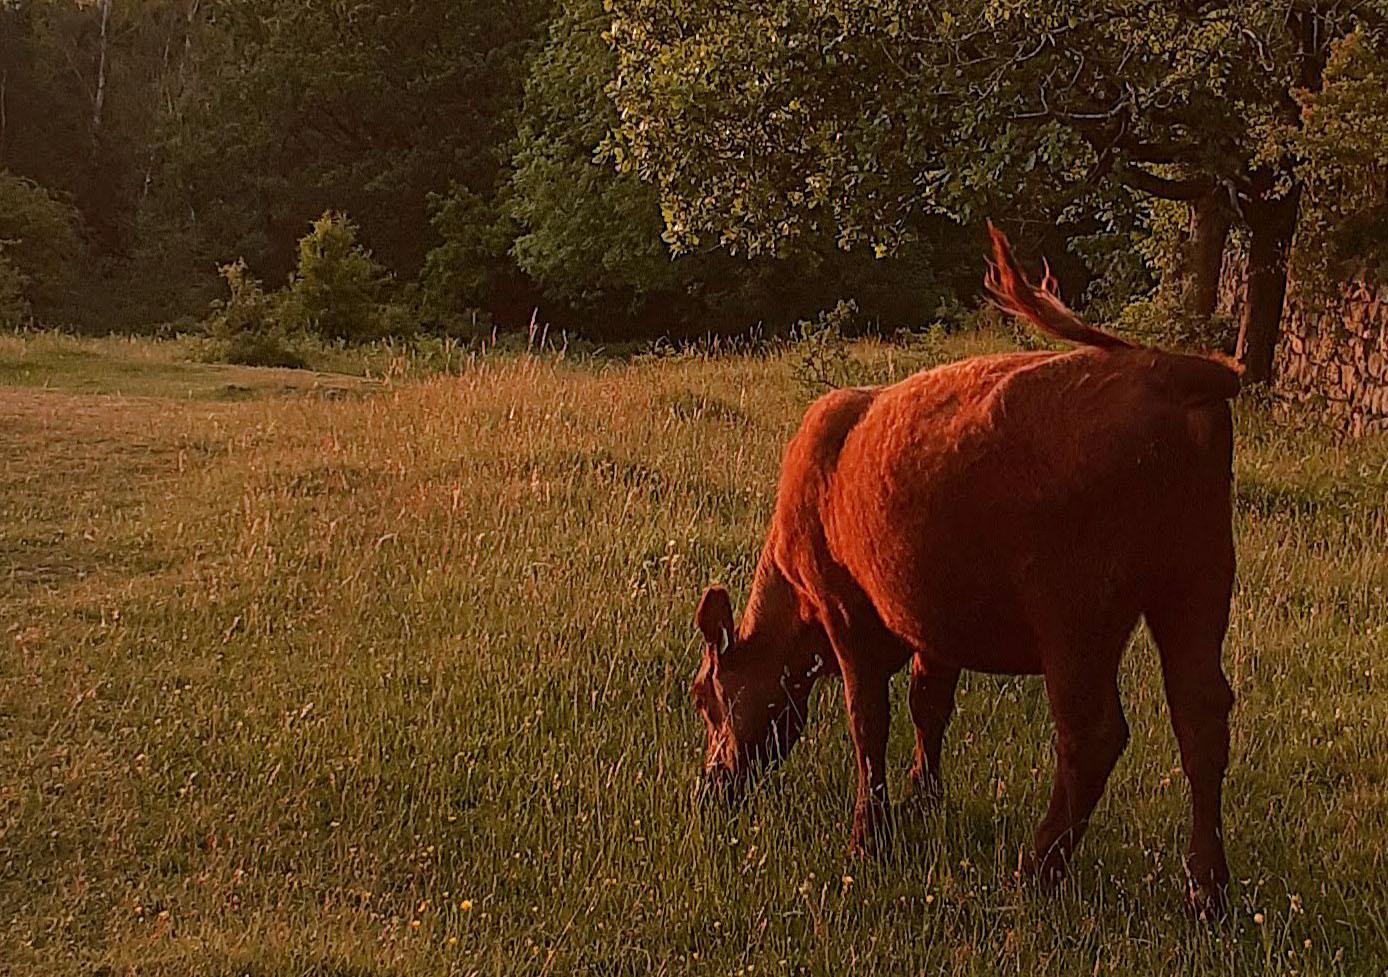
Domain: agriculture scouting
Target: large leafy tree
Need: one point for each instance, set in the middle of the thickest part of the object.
(590, 234)
(593, 236)
(38, 248)
(758, 122)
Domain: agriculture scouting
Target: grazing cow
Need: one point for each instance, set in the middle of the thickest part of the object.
(1010, 514)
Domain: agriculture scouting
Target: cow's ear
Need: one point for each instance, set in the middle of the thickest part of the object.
(714, 619)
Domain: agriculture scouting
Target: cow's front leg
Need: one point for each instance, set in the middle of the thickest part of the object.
(869, 719)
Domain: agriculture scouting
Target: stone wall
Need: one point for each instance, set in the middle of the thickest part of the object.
(1333, 354)
(1336, 355)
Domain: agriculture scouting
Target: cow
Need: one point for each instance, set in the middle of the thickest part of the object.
(1013, 514)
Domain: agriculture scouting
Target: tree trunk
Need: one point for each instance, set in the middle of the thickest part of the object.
(99, 98)
(1209, 230)
(1271, 225)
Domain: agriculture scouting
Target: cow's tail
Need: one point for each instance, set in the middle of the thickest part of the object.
(1042, 307)
(1207, 378)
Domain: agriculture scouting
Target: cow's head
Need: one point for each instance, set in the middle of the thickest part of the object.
(752, 706)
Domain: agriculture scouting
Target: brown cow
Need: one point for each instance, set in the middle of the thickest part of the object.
(1011, 514)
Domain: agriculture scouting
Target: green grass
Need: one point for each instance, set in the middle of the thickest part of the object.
(191, 367)
(398, 685)
(143, 368)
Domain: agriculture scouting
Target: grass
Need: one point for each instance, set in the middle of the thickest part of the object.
(396, 685)
(145, 368)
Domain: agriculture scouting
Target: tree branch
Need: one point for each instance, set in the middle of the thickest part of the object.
(1141, 180)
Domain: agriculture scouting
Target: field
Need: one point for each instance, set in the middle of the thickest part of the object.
(315, 676)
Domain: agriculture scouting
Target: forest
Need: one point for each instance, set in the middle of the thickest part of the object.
(627, 169)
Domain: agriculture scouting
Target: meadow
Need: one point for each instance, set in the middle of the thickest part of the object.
(323, 676)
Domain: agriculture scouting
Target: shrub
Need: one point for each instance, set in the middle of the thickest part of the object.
(825, 363)
(335, 291)
(38, 247)
(14, 308)
(1160, 321)
(246, 325)
(247, 310)
(263, 349)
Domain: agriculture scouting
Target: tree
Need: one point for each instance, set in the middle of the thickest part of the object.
(592, 233)
(1343, 145)
(589, 234)
(758, 122)
(87, 93)
(39, 245)
(336, 290)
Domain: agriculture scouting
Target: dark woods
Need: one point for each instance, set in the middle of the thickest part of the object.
(466, 142)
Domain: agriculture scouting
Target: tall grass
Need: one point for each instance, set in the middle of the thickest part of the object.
(397, 685)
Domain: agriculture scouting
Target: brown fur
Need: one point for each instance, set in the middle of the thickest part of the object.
(1013, 514)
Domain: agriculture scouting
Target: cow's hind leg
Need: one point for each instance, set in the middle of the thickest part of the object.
(1090, 735)
(869, 720)
(1189, 632)
(932, 705)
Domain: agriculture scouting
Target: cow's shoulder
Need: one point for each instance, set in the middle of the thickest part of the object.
(827, 424)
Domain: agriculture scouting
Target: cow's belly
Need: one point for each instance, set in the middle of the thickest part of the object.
(968, 623)
(954, 587)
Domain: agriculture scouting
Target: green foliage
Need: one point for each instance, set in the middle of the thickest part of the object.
(336, 290)
(761, 125)
(368, 107)
(266, 349)
(824, 362)
(764, 124)
(1122, 274)
(247, 326)
(1161, 322)
(587, 232)
(470, 268)
(590, 233)
(1343, 148)
(39, 245)
(14, 307)
(247, 309)
(551, 152)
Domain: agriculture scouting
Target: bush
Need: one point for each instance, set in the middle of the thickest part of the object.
(14, 308)
(38, 248)
(263, 349)
(246, 325)
(1160, 321)
(335, 292)
(825, 363)
(247, 310)
(412, 314)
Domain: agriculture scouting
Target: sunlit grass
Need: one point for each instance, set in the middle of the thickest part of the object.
(397, 685)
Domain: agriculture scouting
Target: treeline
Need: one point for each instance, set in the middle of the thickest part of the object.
(495, 158)
(147, 143)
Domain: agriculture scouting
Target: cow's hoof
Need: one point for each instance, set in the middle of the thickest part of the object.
(860, 850)
(1207, 902)
(924, 790)
(1032, 868)
(868, 846)
(868, 843)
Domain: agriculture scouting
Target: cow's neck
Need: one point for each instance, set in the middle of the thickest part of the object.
(775, 631)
